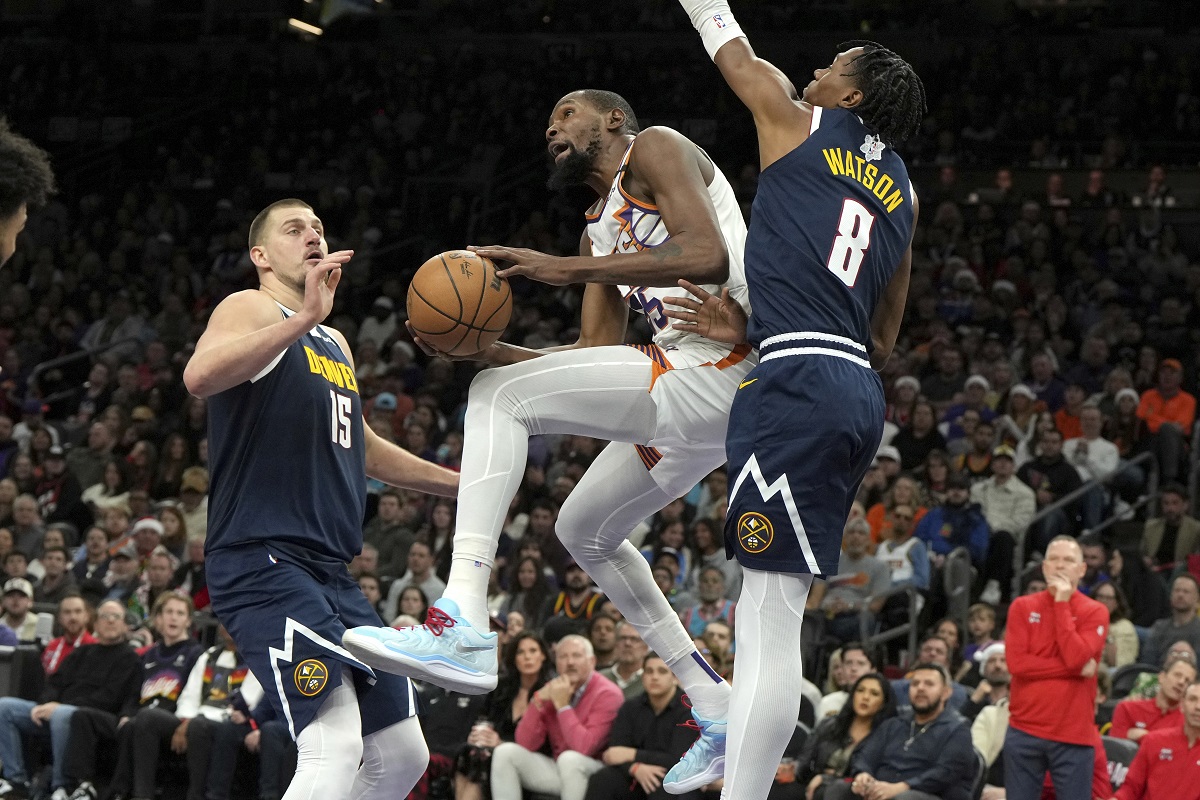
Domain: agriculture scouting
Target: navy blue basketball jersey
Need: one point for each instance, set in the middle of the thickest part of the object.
(828, 227)
(286, 454)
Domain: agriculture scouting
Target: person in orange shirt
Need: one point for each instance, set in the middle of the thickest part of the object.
(1066, 419)
(905, 492)
(1169, 413)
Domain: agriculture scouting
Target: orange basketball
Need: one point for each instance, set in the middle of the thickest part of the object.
(458, 304)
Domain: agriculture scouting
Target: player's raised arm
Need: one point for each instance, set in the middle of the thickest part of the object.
(885, 323)
(780, 115)
(247, 331)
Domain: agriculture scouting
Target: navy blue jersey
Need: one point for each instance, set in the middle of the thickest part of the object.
(828, 227)
(287, 457)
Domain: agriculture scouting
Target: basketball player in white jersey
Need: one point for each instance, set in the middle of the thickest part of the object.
(664, 212)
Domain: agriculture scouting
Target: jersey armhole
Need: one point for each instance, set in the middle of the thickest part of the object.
(267, 369)
(815, 122)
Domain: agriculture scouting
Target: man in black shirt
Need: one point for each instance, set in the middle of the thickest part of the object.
(96, 676)
(648, 737)
(1051, 477)
(1175, 535)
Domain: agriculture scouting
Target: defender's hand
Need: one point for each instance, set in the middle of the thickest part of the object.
(716, 318)
(321, 282)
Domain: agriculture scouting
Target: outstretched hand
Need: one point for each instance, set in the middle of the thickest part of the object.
(321, 282)
(716, 318)
(433, 352)
(553, 270)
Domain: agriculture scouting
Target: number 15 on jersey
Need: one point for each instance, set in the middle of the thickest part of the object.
(340, 419)
(853, 239)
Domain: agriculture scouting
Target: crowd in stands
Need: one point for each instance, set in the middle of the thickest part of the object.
(1051, 339)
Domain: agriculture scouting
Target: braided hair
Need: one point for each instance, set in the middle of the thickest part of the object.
(893, 103)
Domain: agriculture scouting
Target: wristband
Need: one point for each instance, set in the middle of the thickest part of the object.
(633, 767)
(714, 21)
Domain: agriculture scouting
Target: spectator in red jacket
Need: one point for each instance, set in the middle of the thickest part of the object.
(1166, 763)
(1054, 641)
(1169, 413)
(1133, 719)
(75, 620)
(574, 713)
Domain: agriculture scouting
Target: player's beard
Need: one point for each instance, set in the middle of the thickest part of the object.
(575, 168)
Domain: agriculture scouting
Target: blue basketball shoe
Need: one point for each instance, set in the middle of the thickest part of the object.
(704, 762)
(445, 651)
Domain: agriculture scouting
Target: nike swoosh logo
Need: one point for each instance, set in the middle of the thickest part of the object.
(744, 384)
(464, 648)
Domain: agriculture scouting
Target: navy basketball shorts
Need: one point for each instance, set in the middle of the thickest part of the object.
(803, 430)
(287, 619)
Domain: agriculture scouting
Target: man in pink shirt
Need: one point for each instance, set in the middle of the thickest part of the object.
(574, 712)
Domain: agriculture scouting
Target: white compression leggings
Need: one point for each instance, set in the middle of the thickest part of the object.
(330, 748)
(766, 694)
(600, 392)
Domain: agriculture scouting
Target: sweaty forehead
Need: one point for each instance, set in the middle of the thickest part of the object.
(572, 99)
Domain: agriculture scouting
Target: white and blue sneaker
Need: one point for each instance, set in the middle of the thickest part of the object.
(704, 762)
(445, 651)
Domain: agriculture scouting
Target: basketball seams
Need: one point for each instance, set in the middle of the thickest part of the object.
(453, 332)
(453, 285)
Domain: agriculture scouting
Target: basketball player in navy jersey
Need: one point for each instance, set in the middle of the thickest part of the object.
(828, 258)
(26, 180)
(663, 211)
(290, 456)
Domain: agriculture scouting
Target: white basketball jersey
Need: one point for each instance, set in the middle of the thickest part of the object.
(622, 223)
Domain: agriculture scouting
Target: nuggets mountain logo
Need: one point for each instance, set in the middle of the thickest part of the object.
(755, 532)
(311, 677)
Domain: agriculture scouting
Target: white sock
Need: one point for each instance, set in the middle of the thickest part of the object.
(468, 581)
(706, 690)
(766, 695)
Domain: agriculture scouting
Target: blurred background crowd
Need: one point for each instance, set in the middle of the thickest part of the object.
(1043, 384)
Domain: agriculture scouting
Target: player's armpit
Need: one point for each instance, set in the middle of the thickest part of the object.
(885, 324)
(245, 333)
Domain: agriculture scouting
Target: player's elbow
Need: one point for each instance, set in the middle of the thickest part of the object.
(880, 355)
(197, 380)
(712, 264)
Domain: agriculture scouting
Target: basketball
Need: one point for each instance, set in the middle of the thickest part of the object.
(458, 304)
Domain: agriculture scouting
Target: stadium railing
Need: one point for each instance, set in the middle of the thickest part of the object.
(1147, 500)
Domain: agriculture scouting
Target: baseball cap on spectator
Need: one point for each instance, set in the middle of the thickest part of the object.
(668, 551)
(888, 451)
(1127, 392)
(1022, 390)
(385, 401)
(1004, 451)
(127, 550)
(956, 480)
(148, 523)
(1171, 363)
(55, 451)
(909, 381)
(1001, 287)
(966, 279)
(194, 479)
(19, 585)
(384, 302)
(983, 654)
(978, 380)
(142, 414)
